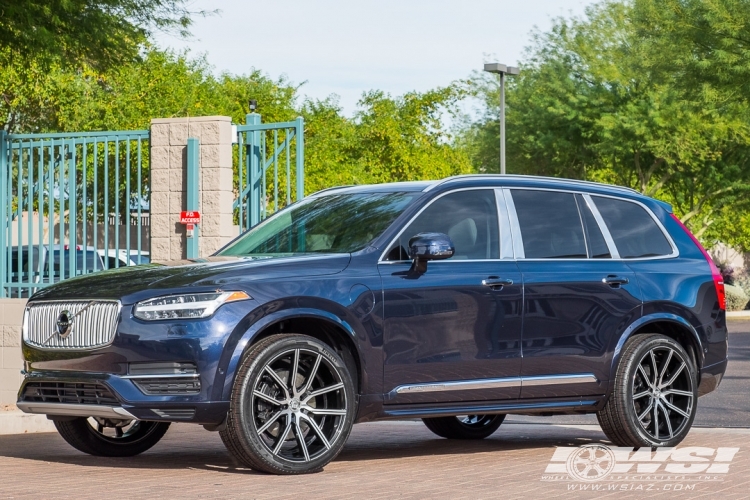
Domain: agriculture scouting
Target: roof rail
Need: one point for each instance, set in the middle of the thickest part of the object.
(517, 176)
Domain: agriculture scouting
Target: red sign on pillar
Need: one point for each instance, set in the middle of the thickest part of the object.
(190, 217)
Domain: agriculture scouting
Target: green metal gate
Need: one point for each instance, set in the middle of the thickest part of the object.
(266, 181)
(71, 204)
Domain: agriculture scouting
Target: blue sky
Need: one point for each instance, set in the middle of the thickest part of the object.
(348, 47)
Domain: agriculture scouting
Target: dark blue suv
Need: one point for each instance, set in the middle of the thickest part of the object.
(457, 302)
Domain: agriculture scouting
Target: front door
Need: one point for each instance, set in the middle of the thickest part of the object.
(576, 296)
(453, 333)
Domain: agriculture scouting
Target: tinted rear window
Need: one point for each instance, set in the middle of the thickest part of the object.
(550, 225)
(634, 231)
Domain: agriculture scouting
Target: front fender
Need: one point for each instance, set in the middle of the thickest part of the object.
(237, 344)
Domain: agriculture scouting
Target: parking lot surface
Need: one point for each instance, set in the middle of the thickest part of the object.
(381, 460)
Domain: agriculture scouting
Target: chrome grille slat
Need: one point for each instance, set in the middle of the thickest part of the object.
(94, 327)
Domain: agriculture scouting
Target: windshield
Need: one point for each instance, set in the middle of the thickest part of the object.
(337, 223)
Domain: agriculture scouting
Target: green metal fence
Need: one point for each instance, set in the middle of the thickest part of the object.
(71, 204)
(266, 181)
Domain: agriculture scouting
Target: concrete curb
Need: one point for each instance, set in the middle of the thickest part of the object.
(18, 422)
(738, 314)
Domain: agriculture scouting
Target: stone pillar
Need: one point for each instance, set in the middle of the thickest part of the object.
(169, 184)
(11, 362)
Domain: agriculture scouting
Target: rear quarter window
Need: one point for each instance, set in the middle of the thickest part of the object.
(634, 231)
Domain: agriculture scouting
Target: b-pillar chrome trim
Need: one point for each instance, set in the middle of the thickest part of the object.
(496, 383)
(74, 410)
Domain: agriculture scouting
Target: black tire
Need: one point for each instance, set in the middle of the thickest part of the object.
(464, 427)
(136, 436)
(655, 394)
(298, 423)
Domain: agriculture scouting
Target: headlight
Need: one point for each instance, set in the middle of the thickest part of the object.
(189, 305)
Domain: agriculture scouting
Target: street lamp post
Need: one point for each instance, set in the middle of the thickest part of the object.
(502, 70)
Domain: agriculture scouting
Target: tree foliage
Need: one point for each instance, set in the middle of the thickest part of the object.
(594, 101)
(100, 33)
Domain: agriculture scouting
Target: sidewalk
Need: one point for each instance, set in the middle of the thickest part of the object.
(381, 460)
(14, 421)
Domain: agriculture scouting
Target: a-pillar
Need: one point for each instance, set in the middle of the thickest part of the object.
(169, 185)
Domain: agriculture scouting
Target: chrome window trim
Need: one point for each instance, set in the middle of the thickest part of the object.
(496, 383)
(381, 259)
(515, 227)
(602, 227)
(506, 233)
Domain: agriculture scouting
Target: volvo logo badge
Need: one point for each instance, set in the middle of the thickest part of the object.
(64, 324)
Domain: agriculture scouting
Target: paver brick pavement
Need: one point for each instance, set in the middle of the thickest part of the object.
(381, 460)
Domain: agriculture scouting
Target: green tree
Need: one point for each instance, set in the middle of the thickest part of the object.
(100, 33)
(591, 104)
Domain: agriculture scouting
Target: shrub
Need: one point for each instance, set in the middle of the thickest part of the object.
(736, 298)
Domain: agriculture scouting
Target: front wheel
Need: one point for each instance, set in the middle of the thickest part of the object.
(655, 395)
(292, 406)
(104, 437)
(464, 426)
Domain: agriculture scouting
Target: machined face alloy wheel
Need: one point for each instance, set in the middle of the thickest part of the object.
(298, 405)
(476, 420)
(114, 429)
(662, 391)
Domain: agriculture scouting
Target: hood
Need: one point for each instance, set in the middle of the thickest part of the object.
(131, 284)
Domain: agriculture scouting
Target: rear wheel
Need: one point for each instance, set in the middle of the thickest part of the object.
(655, 395)
(464, 426)
(106, 437)
(292, 406)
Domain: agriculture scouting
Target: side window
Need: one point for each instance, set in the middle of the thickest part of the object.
(634, 231)
(469, 218)
(550, 225)
(597, 246)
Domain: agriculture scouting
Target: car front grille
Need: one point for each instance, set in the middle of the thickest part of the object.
(94, 324)
(68, 393)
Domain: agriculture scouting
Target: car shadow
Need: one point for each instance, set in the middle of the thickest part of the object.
(199, 450)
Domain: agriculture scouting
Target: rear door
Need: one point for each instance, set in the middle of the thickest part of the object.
(576, 296)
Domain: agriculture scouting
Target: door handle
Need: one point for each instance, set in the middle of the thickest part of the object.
(615, 281)
(496, 283)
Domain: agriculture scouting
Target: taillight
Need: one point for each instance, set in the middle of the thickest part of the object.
(715, 273)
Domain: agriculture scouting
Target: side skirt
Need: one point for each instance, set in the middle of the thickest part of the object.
(588, 404)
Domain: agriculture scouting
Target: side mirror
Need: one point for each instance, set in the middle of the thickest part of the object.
(429, 246)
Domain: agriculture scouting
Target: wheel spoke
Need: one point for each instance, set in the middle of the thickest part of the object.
(301, 441)
(314, 426)
(270, 422)
(325, 411)
(323, 390)
(268, 398)
(644, 376)
(677, 392)
(656, 420)
(666, 415)
(675, 408)
(665, 366)
(278, 380)
(282, 437)
(312, 374)
(293, 373)
(641, 394)
(674, 376)
(646, 411)
(655, 368)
